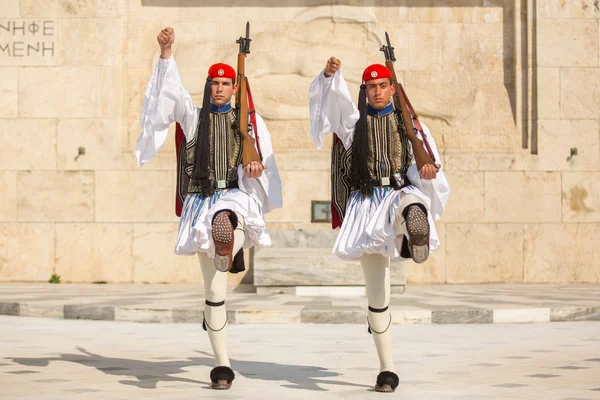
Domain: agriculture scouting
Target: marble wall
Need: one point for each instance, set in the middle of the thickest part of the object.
(507, 88)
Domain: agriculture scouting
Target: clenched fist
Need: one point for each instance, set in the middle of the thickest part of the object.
(333, 64)
(165, 39)
(429, 171)
(254, 169)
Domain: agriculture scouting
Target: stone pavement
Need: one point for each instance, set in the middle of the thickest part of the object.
(46, 359)
(418, 305)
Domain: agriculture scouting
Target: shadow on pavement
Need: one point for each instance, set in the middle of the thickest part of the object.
(149, 373)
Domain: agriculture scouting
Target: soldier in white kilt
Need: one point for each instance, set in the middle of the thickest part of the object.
(383, 203)
(220, 201)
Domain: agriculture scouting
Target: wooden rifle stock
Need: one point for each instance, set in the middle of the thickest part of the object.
(249, 153)
(403, 110)
(421, 156)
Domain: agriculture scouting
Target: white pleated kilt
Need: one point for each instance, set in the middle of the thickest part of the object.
(195, 225)
(374, 224)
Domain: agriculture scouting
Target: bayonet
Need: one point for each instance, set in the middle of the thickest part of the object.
(244, 42)
(388, 50)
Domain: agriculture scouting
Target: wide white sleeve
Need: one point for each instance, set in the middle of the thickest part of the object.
(165, 102)
(267, 188)
(437, 190)
(332, 109)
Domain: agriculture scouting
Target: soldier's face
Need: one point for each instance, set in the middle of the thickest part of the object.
(379, 92)
(221, 91)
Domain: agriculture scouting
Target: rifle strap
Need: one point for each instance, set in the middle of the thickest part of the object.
(415, 117)
(252, 114)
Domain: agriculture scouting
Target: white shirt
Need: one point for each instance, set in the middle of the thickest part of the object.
(332, 110)
(166, 101)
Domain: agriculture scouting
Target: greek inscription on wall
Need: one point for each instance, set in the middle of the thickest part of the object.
(28, 42)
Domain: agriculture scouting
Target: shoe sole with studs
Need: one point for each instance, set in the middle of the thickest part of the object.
(417, 227)
(223, 237)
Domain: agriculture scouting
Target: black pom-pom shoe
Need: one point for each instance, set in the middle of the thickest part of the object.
(221, 378)
(387, 382)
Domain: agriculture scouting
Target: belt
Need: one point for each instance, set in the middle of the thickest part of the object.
(207, 186)
(396, 181)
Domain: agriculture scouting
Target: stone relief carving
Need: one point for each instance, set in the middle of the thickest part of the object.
(284, 61)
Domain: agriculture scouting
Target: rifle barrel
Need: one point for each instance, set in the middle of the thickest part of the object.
(249, 152)
(388, 50)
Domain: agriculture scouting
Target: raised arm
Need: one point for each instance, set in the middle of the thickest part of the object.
(165, 102)
(331, 106)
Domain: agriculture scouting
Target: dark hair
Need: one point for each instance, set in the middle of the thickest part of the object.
(201, 158)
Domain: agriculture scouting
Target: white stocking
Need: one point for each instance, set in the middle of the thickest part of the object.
(239, 235)
(376, 269)
(215, 288)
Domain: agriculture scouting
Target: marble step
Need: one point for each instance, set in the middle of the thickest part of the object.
(293, 266)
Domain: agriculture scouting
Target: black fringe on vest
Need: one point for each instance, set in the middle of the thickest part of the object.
(201, 158)
(360, 146)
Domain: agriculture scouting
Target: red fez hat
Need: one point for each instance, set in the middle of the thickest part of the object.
(221, 70)
(376, 71)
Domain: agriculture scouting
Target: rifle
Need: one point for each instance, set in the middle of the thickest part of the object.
(404, 111)
(249, 152)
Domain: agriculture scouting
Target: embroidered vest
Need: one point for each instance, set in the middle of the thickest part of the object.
(225, 152)
(389, 153)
